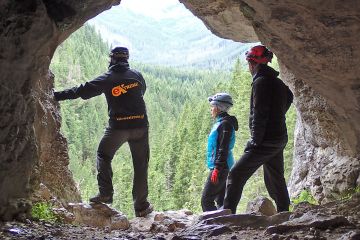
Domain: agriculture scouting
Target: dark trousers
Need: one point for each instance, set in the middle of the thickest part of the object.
(138, 140)
(270, 155)
(214, 192)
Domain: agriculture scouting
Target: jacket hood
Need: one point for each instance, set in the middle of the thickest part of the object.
(265, 70)
(231, 119)
(119, 67)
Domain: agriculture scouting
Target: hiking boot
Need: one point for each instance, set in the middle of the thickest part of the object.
(144, 212)
(101, 199)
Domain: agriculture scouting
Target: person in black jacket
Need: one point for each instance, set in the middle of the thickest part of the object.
(270, 100)
(220, 159)
(124, 89)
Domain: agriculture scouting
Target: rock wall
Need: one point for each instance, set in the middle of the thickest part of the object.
(31, 147)
(317, 44)
(321, 163)
(53, 164)
(224, 18)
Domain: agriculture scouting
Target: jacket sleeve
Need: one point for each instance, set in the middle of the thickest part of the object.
(85, 91)
(223, 142)
(143, 83)
(290, 98)
(261, 110)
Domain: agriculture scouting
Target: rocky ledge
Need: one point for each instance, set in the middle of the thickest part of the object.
(336, 220)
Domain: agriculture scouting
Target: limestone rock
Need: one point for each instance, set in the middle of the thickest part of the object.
(168, 221)
(98, 215)
(302, 208)
(243, 221)
(64, 215)
(213, 214)
(261, 205)
(18, 209)
(42, 194)
(224, 18)
(145, 224)
(319, 163)
(353, 235)
(308, 220)
(219, 225)
(203, 231)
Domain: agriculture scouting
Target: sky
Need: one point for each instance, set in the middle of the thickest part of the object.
(158, 9)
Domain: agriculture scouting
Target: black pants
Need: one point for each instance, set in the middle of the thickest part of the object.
(270, 155)
(138, 140)
(214, 192)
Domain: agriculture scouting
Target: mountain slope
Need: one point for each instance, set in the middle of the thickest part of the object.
(169, 36)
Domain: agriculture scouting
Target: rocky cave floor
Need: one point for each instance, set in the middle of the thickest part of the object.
(336, 220)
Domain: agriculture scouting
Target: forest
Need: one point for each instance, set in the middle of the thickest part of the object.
(179, 117)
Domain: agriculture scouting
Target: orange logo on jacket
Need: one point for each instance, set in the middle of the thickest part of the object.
(122, 89)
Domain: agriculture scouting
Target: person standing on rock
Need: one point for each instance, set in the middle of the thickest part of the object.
(270, 100)
(124, 89)
(220, 159)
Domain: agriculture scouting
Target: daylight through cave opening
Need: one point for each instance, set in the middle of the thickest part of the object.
(183, 63)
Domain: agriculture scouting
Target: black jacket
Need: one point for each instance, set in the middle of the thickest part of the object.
(124, 89)
(228, 124)
(270, 100)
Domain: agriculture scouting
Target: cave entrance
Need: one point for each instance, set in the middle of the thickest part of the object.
(183, 63)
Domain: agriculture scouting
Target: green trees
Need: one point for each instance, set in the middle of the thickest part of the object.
(179, 119)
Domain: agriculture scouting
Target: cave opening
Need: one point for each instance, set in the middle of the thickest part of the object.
(183, 63)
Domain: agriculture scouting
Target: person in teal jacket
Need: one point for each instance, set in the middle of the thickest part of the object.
(220, 159)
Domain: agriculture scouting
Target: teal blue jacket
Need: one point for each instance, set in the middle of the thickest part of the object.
(221, 141)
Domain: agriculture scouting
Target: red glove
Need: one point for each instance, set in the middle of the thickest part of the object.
(214, 176)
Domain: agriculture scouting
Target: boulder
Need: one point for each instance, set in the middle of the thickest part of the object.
(227, 223)
(243, 221)
(42, 194)
(213, 214)
(168, 221)
(262, 206)
(98, 215)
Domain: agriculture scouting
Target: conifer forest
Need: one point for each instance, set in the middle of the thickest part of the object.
(179, 118)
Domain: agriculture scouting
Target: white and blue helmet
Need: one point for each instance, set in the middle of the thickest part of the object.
(222, 100)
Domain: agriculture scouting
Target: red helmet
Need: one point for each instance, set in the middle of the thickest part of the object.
(259, 54)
